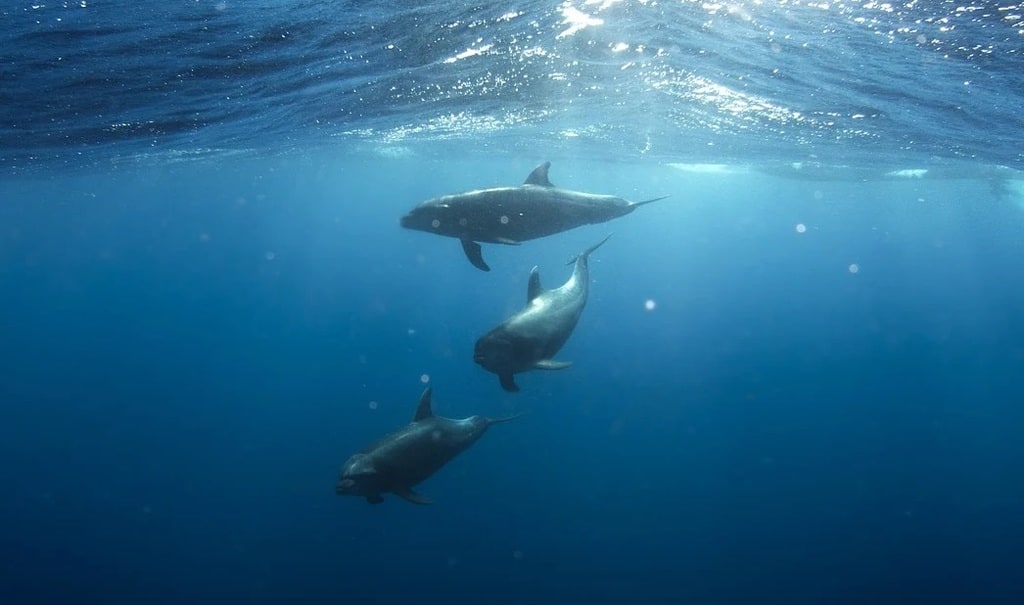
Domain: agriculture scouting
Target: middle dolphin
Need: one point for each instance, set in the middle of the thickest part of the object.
(510, 215)
(530, 338)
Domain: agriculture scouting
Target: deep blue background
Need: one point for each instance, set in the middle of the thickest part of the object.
(175, 405)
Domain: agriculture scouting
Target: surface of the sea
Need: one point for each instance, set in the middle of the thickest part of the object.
(798, 379)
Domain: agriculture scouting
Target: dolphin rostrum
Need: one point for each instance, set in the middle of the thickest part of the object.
(510, 215)
(408, 456)
(530, 338)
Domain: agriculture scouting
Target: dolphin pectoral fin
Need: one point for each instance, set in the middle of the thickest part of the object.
(374, 499)
(539, 176)
(508, 382)
(407, 494)
(551, 364)
(474, 254)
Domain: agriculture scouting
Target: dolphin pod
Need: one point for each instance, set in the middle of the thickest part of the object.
(526, 340)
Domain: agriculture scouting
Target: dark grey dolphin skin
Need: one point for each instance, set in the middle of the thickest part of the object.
(398, 461)
(510, 215)
(530, 338)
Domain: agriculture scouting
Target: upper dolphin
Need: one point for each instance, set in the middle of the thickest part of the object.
(530, 338)
(399, 461)
(510, 215)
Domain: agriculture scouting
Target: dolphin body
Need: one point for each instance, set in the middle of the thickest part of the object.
(529, 339)
(510, 215)
(398, 461)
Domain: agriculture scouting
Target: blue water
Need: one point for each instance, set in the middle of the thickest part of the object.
(798, 380)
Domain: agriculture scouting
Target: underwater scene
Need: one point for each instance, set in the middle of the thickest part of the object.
(592, 301)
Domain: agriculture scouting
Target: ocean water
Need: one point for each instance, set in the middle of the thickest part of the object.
(799, 379)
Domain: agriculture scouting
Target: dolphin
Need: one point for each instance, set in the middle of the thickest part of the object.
(530, 338)
(511, 215)
(398, 461)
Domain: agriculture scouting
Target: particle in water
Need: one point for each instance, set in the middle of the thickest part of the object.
(373, 405)
(425, 378)
(854, 268)
(650, 304)
(801, 228)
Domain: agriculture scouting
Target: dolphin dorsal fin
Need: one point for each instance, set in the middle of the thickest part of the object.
(534, 289)
(423, 410)
(539, 176)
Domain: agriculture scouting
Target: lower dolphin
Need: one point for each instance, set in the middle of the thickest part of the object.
(403, 459)
(529, 339)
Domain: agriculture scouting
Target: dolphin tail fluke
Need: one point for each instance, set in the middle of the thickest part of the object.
(508, 382)
(502, 419)
(474, 254)
(406, 493)
(583, 255)
(645, 202)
